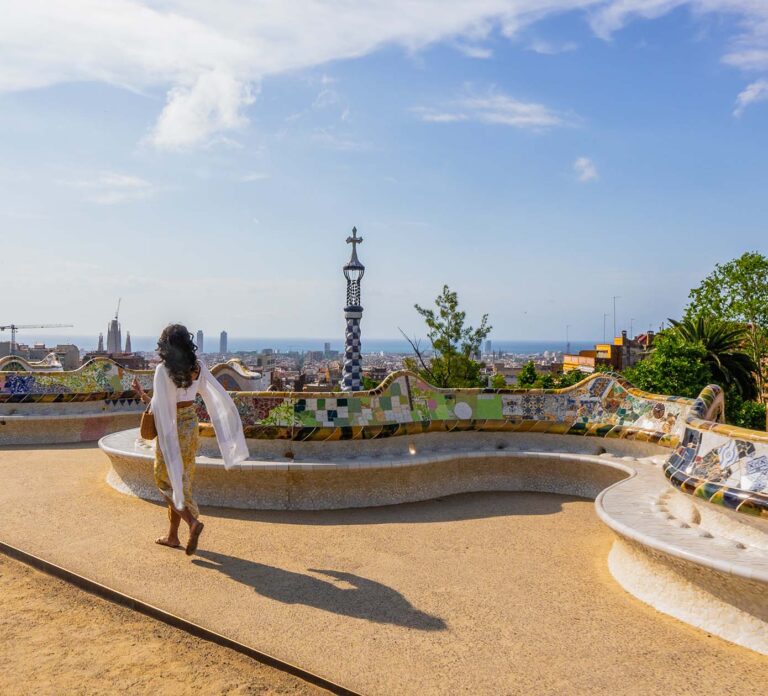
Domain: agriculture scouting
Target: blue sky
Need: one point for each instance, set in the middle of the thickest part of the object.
(539, 157)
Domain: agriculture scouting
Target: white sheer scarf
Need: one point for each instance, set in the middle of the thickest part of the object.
(224, 417)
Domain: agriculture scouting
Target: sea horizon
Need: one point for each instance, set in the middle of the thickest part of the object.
(304, 344)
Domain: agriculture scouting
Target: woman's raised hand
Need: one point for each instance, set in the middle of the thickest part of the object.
(137, 388)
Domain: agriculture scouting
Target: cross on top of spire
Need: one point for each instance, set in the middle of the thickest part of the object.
(354, 240)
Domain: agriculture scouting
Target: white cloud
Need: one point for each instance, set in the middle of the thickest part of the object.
(330, 138)
(547, 48)
(495, 108)
(196, 113)
(609, 17)
(473, 50)
(436, 116)
(209, 57)
(253, 176)
(748, 49)
(756, 92)
(585, 170)
(109, 188)
(326, 97)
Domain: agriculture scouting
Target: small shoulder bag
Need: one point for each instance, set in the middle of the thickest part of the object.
(148, 430)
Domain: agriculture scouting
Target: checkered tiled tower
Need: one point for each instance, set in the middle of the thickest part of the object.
(352, 372)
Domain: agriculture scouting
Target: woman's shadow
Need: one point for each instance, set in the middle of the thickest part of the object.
(365, 599)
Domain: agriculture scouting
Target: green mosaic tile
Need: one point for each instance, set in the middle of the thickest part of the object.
(488, 408)
(307, 418)
(355, 405)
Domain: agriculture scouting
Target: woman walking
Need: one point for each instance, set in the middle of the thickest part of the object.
(179, 378)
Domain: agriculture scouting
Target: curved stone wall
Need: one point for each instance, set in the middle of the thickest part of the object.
(234, 375)
(98, 379)
(404, 404)
(407, 441)
(74, 406)
(681, 555)
(83, 405)
(721, 464)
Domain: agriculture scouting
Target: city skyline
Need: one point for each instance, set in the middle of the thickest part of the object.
(610, 148)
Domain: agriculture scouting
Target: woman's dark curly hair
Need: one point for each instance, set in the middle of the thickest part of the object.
(179, 353)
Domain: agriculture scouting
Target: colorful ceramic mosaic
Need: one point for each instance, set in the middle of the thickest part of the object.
(97, 380)
(722, 464)
(234, 375)
(602, 405)
(404, 403)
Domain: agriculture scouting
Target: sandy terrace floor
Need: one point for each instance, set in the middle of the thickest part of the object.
(57, 639)
(500, 593)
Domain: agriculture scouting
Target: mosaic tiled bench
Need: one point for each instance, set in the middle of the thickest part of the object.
(722, 464)
(696, 549)
(85, 404)
(74, 406)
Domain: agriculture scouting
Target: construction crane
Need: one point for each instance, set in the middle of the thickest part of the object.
(117, 311)
(15, 327)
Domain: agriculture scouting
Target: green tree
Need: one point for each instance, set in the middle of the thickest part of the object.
(568, 379)
(723, 344)
(684, 367)
(604, 367)
(545, 381)
(673, 367)
(369, 383)
(455, 345)
(737, 291)
(528, 375)
(498, 382)
(747, 414)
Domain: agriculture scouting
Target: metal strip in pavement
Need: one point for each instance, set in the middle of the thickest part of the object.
(117, 597)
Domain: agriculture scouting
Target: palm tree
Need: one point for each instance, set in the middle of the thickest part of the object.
(724, 346)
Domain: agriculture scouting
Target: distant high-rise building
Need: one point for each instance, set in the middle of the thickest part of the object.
(128, 342)
(200, 348)
(326, 348)
(223, 342)
(114, 338)
(488, 347)
(100, 349)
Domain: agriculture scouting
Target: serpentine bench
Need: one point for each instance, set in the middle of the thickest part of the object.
(686, 496)
(85, 404)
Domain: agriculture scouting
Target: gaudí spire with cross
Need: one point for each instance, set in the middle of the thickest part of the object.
(352, 371)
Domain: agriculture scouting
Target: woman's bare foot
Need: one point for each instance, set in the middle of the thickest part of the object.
(195, 530)
(172, 542)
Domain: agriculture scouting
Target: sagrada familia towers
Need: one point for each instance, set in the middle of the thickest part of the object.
(114, 337)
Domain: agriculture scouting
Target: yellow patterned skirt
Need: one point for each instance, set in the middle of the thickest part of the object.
(186, 420)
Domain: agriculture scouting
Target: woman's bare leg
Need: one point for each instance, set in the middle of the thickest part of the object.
(190, 519)
(172, 538)
(195, 529)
